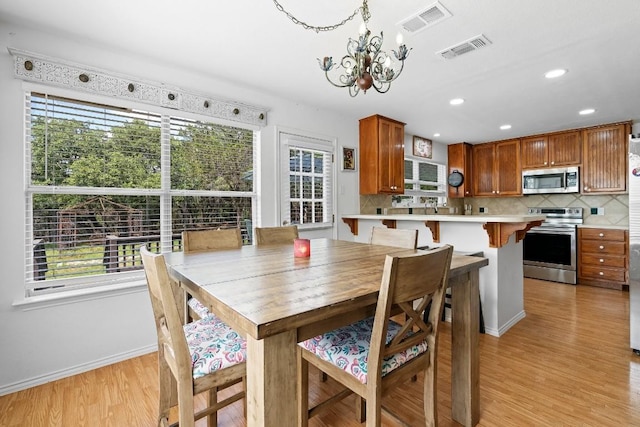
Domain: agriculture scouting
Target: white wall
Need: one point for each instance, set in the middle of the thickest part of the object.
(39, 343)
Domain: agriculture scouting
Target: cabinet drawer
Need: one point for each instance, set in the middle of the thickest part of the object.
(608, 274)
(604, 247)
(596, 260)
(602, 234)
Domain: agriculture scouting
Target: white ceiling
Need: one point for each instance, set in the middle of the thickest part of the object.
(251, 43)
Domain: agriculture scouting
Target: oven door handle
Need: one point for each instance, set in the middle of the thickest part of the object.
(563, 231)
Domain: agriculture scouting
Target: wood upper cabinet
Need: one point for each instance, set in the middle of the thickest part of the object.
(604, 159)
(381, 156)
(497, 169)
(551, 150)
(459, 158)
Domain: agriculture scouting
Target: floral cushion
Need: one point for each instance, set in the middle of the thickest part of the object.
(213, 345)
(200, 309)
(348, 348)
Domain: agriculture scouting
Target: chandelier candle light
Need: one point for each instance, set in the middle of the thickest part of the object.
(365, 64)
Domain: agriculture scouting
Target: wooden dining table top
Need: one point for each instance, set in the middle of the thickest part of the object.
(277, 300)
(265, 290)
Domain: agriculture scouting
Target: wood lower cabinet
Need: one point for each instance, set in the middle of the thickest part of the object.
(551, 150)
(496, 169)
(604, 159)
(459, 158)
(603, 257)
(381, 156)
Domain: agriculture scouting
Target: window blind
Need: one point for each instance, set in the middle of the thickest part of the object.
(306, 181)
(102, 180)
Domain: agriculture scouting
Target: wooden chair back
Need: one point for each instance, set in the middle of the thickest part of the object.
(211, 240)
(172, 344)
(411, 283)
(414, 283)
(274, 235)
(175, 370)
(401, 238)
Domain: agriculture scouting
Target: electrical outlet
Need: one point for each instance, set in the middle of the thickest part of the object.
(482, 209)
(597, 211)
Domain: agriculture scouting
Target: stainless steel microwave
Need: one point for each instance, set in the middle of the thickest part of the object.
(556, 180)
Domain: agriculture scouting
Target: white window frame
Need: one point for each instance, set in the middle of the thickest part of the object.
(115, 280)
(414, 196)
(316, 144)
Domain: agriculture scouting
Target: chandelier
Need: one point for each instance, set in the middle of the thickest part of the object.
(365, 65)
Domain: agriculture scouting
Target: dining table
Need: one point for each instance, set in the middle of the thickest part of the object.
(276, 300)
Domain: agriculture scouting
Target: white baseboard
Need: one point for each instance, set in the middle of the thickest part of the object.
(515, 319)
(74, 370)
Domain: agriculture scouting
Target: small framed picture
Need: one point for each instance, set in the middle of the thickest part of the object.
(422, 147)
(348, 159)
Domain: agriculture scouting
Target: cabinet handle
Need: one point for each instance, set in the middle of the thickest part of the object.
(601, 247)
(586, 188)
(601, 234)
(601, 260)
(545, 163)
(553, 163)
(601, 273)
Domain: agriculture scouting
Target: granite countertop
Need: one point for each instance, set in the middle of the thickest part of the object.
(450, 218)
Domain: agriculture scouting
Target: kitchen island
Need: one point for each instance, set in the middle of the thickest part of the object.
(498, 237)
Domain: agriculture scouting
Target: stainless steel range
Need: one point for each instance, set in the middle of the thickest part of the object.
(549, 251)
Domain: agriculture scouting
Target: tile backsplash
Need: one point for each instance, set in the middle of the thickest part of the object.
(616, 207)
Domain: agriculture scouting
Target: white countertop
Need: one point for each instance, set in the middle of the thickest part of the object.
(451, 218)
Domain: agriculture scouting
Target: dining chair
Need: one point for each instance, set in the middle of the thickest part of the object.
(203, 241)
(372, 356)
(204, 355)
(273, 235)
(398, 237)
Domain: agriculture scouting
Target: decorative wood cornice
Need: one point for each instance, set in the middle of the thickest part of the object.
(499, 232)
(389, 223)
(434, 226)
(50, 71)
(353, 225)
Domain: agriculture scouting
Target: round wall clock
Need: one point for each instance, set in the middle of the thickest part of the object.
(455, 179)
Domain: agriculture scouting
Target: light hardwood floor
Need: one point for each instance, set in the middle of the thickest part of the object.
(568, 363)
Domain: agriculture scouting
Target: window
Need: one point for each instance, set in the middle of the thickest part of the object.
(306, 182)
(102, 180)
(424, 182)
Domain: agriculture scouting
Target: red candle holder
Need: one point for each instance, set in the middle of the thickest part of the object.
(302, 248)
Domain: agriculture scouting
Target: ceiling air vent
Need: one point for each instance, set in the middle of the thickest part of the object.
(425, 18)
(466, 46)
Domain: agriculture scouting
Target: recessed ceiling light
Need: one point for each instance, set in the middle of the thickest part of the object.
(555, 73)
(505, 127)
(456, 101)
(587, 111)
(436, 135)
